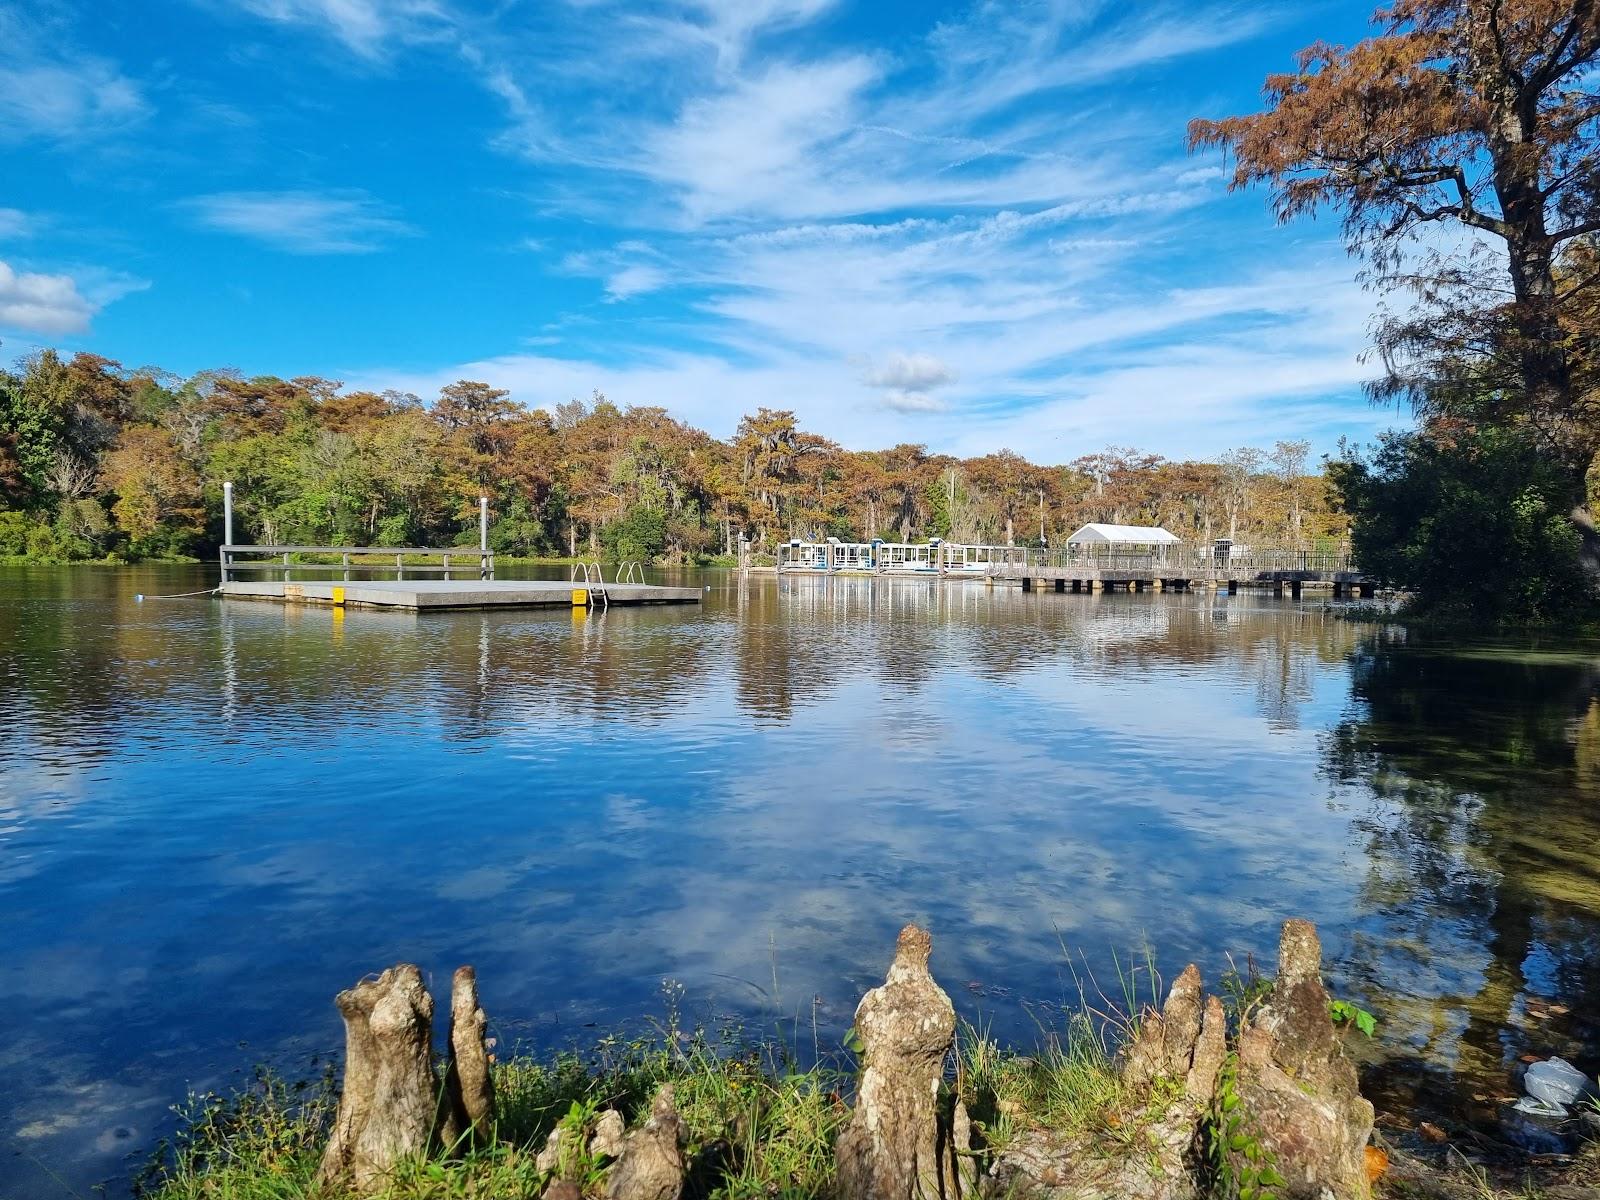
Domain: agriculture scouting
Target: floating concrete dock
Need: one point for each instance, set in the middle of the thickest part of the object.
(430, 594)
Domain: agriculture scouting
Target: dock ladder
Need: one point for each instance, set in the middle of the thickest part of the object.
(594, 582)
(630, 571)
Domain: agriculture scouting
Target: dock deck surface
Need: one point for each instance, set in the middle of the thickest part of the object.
(457, 593)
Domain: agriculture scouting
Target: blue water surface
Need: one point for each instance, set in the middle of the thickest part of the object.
(213, 816)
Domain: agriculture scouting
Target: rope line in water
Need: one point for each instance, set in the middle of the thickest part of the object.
(141, 597)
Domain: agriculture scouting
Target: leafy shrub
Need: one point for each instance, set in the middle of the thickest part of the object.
(1475, 522)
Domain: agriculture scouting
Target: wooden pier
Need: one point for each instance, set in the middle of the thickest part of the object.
(432, 594)
(1280, 572)
(1085, 569)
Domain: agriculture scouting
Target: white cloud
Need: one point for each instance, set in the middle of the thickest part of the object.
(909, 372)
(302, 222)
(634, 281)
(843, 225)
(37, 303)
(913, 402)
(14, 223)
(365, 26)
(50, 89)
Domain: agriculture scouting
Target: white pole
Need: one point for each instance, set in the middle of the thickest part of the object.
(483, 537)
(227, 528)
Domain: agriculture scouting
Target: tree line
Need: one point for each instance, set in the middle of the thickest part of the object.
(97, 459)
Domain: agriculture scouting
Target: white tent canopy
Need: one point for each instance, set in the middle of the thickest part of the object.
(1122, 535)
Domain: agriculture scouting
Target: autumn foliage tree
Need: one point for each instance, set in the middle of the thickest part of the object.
(1479, 113)
(96, 458)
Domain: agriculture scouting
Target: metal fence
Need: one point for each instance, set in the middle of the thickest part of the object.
(358, 562)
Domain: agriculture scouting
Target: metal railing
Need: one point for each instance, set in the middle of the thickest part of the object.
(1245, 564)
(593, 580)
(362, 562)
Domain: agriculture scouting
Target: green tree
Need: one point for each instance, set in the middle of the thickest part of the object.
(1473, 522)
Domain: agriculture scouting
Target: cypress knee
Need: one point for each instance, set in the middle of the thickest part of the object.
(387, 1110)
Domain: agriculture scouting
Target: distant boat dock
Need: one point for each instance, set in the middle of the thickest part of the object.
(1098, 558)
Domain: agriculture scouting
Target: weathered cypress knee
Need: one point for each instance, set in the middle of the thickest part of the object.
(469, 1084)
(650, 1163)
(1299, 1093)
(899, 1144)
(388, 1107)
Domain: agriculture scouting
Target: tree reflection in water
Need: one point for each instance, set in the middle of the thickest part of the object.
(1478, 925)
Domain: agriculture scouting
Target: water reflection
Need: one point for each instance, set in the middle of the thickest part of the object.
(212, 817)
(1479, 910)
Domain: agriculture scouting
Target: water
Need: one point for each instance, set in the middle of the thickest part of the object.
(214, 817)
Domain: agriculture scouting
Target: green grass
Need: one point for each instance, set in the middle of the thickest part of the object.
(759, 1126)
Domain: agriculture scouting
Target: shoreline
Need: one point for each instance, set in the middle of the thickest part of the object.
(1144, 1103)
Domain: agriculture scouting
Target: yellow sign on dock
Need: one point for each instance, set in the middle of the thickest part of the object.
(338, 597)
(580, 597)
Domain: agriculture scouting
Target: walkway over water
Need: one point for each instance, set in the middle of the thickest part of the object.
(1182, 568)
(1083, 568)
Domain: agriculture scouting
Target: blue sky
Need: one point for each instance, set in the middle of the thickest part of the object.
(969, 225)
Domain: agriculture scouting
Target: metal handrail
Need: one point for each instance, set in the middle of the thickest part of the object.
(394, 559)
(594, 581)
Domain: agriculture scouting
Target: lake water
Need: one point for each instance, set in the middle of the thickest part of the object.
(213, 817)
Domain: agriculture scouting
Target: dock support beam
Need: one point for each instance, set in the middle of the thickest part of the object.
(1061, 585)
(1233, 587)
(1294, 589)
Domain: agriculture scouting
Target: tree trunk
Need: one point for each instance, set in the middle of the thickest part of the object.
(389, 1104)
(1512, 134)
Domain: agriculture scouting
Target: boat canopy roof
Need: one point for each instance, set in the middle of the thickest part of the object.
(1123, 535)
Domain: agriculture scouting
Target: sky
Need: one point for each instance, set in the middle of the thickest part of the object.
(969, 225)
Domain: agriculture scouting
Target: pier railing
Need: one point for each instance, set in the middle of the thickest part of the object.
(1243, 564)
(358, 562)
(1011, 561)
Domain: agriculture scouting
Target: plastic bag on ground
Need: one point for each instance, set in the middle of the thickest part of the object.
(1555, 1081)
(1538, 1108)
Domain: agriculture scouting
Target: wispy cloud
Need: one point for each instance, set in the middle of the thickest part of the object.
(935, 243)
(369, 27)
(634, 281)
(14, 223)
(50, 89)
(302, 222)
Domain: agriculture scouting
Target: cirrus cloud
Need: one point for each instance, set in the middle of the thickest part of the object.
(302, 222)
